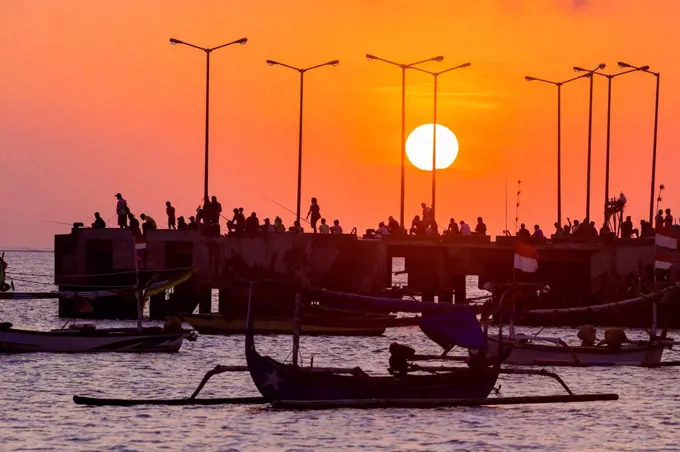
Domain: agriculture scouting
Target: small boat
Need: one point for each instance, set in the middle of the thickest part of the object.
(529, 351)
(222, 325)
(282, 383)
(86, 338)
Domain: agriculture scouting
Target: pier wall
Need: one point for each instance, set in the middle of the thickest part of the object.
(576, 272)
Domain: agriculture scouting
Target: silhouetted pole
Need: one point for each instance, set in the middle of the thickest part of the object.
(559, 135)
(208, 51)
(434, 128)
(403, 68)
(656, 127)
(590, 132)
(301, 71)
(609, 77)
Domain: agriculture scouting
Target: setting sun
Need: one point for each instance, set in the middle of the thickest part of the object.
(419, 147)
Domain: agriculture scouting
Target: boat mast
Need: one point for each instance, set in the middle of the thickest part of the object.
(296, 329)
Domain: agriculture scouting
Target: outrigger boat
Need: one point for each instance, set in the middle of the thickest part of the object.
(291, 385)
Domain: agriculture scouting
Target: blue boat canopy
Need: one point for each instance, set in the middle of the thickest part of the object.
(444, 323)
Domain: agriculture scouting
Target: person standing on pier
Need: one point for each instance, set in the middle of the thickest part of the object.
(658, 220)
(122, 211)
(215, 210)
(170, 211)
(668, 221)
(315, 212)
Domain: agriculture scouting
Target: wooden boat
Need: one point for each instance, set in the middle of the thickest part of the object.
(529, 351)
(282, 383)
(222, 325)
(88, 339)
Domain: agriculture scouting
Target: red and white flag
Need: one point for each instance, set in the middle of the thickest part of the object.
(140, 242)
(665, 242)
(666, 238)
(526, 257)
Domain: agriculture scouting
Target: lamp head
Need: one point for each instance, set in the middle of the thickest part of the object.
(438, 59)
(174, 41)
(529, 79)
(579, 69)
(602, 66)
(334, 62)
(644, 68)
(272, 62)
(465, 65)
(242, 41)
(370, 57)
(624, 65)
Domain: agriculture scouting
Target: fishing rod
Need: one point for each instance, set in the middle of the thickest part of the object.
(284, 207)
(58, 222)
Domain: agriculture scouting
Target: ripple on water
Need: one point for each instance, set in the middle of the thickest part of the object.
(39, 413)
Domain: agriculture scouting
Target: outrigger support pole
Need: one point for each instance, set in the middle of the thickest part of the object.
(219, 369)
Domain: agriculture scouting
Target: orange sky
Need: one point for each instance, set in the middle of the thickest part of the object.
(94, 100)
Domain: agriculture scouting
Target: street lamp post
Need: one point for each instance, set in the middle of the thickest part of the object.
(403, 68)
(302, 74)
(559, 134)
(610, 77)
(434, 126)
(656, 127)
(208, 51)
(589, 74)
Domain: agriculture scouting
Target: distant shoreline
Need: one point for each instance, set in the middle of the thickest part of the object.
(27, 250)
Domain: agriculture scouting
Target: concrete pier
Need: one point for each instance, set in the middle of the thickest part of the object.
(101, 259)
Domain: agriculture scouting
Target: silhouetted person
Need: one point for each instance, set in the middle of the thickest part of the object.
(181, 224)
(465, 230)
(200, 216)
(658, 220)
(324, 228)
(122, 211)
(382, 229)
(267, 226)
(538, 233)
(559, 232)
(627, 230)
(170, 211)
(593, 232)
(148, 225)
(336, 228)
(393, 226)
(417, 226)
(207, 214)
(668, 220)
(315, 212)
(523, 232)
(278, 225)
(99, 223)
(427, 214)
(252, 223)
(192, 225)
(480, 229)
(215, 210)
(453, 228)
(134, 225)
(296, 227)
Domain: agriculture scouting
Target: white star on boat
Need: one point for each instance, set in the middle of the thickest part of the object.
(272, 380)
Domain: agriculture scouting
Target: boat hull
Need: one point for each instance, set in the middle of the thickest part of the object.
(79, 341)
(277, 381)
(221, 325)
(530, 354)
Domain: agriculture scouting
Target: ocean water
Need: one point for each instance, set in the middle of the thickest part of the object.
(38, 412)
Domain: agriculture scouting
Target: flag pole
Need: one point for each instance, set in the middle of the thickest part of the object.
(652, 331)
(137, 288)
